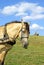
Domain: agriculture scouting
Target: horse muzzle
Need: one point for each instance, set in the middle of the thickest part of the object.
(25, 45)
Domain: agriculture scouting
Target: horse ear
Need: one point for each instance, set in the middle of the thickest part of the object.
(22, 22)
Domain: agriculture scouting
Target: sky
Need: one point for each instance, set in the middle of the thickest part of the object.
(31, 11)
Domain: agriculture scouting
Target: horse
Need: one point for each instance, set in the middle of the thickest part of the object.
(8, 35)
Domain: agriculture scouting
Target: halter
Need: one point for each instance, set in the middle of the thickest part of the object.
(23, 36)
(22, 32)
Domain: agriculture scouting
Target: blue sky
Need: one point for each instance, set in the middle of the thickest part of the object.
(31, 11)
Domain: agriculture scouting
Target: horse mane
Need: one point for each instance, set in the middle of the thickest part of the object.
(13, 22)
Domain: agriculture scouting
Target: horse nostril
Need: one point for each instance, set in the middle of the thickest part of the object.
(25, 46)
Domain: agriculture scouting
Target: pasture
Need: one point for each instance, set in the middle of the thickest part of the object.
(34, 55)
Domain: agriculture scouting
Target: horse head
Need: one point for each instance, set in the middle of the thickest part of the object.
(25, 34)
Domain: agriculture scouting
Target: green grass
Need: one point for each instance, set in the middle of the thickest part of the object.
(34, 55)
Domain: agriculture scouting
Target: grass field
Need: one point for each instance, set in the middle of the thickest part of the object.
(34, 55)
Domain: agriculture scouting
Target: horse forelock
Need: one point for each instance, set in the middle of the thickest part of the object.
(27, 26)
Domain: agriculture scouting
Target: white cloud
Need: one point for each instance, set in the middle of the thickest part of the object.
(34, 17)
(25, 9)
(8, 10)
(36, 27)
(21, 14)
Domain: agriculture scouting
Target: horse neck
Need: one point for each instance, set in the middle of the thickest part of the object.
(13, 29)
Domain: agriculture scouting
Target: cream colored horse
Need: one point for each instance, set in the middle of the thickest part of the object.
(8, 35)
